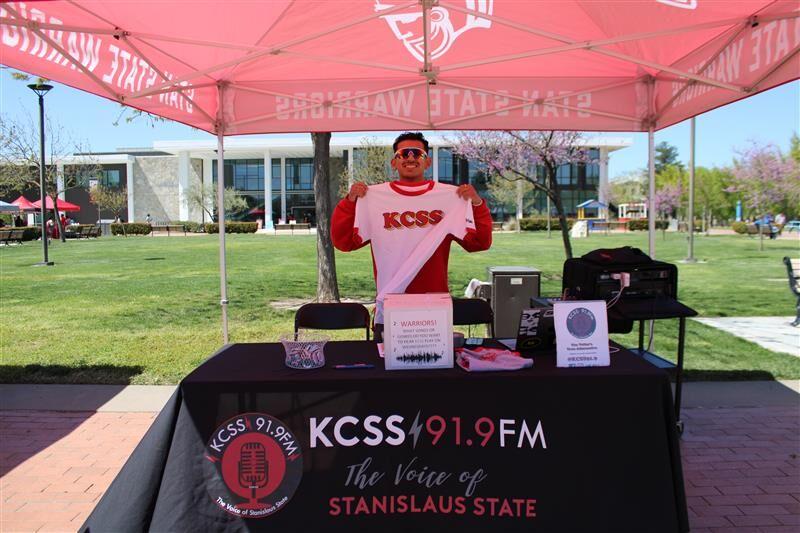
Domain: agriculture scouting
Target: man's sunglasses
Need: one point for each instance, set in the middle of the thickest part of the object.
(416, 153)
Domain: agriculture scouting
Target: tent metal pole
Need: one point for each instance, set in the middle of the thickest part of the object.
(223, 268)
(690, 258)
(651, 192)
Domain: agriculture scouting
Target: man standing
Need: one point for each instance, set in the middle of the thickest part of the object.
(410, 224)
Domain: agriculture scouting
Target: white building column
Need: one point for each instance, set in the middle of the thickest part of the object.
(60, 180)
(268, 191)
(183, 185)
(435, 163)
(602, 186)
(283, 190)
(129, 187)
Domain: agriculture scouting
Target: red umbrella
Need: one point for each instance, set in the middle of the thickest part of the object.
(63, 205)
(25, 205)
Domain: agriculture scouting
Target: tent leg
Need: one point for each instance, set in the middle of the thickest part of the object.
(223, 269)
(651, 193)
(690, 258)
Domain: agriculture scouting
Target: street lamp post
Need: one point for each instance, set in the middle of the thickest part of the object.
(42, 89)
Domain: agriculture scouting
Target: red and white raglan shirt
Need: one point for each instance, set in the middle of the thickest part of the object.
(410, 228)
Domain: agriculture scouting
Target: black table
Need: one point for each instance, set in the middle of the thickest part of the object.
(658, 309)
(544, 449)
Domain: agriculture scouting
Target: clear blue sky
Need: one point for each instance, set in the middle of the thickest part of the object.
(768, 117)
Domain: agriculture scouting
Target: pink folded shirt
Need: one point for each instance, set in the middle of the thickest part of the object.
(482, 359)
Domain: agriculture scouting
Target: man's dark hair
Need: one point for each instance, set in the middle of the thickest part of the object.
(411, 136)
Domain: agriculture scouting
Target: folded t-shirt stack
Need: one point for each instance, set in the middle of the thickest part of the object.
(482, 359)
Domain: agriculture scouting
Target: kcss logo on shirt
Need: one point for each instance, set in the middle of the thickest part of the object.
(410, 219)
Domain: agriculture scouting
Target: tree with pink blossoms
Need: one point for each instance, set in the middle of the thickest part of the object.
(667, 201)
(533, 156)
(766, 179)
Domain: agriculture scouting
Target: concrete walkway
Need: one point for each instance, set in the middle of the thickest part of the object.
(62, 445)
(774, 333)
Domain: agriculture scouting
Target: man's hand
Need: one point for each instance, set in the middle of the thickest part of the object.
(468, 192)
(357, 190)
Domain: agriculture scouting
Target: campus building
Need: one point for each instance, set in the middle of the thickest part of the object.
(275, 175)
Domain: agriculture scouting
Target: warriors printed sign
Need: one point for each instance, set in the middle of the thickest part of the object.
(446, 26)
(253, 465)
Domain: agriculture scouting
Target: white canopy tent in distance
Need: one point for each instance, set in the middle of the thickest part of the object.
(243, 67)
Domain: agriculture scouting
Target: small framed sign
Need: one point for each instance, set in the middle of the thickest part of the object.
(581, 333)
(418, 331)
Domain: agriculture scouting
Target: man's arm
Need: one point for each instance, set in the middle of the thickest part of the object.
(481, 238)
(343, 234)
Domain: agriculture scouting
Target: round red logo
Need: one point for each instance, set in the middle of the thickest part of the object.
(253, 464)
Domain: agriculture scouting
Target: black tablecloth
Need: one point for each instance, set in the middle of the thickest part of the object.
(605, 456)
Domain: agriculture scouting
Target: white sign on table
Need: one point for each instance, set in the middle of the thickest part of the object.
(418, 331)
(581, 333)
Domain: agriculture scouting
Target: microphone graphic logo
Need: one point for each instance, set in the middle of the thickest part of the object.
(253, 471)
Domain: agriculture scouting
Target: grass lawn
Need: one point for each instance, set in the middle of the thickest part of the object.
(145, 309)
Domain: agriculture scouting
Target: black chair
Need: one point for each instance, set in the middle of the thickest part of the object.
(469, 311)
(332, 316)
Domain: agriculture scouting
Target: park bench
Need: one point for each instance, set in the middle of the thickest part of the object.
(792, 225)
(83, 232)
(11, 236)
(169, 228)
(793, 270)
(497, 226)
(292, 227)
(752, 230)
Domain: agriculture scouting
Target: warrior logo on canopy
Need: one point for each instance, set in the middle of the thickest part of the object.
(407, 27)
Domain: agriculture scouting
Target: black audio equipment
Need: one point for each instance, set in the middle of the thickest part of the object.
(596, 276)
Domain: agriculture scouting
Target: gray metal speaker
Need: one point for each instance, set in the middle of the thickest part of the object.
(512, 290)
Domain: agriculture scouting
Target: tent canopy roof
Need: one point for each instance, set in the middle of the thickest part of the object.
(5, 207)
(24, 204)
(63, 205)
(357, 65)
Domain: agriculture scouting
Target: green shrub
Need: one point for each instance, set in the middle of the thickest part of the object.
(233, 227)
(190, 225)
(739, 227)
(131, 228)
(540, 224)
(640, 224)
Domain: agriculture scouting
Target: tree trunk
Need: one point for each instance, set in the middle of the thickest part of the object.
(58, 220)
(761, 236)
(327, 285)
(562, 217)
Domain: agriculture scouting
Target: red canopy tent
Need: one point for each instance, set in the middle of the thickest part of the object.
(353, 65)
(63, 205)
(24, 204)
